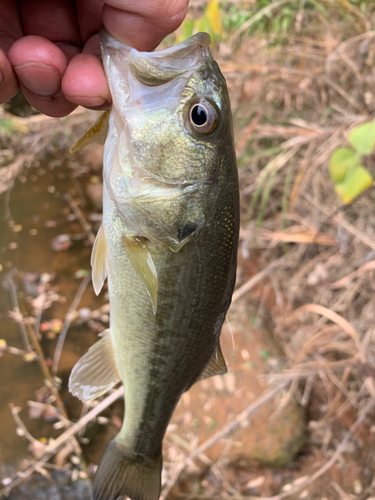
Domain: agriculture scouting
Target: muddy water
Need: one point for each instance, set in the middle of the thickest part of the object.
(37, 213)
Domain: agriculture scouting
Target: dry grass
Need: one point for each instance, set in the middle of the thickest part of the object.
(294, 104)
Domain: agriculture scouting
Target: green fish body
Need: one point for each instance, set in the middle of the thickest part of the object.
(167, 245)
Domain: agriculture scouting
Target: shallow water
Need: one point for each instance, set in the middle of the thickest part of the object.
(37, 213)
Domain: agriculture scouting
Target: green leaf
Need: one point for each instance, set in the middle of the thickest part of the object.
(188, 26)
(186, 30)
(204, 25)
(362, 138)
(341, 161)
(355, 183)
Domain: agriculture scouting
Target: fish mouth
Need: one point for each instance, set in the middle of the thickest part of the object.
(160, 66)
(199, 40)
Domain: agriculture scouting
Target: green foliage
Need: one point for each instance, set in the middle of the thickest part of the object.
(210, 22)
(348, 175)
(266, 16)
(6, 125)
(342, 160)
(362, 138)
(355, 183)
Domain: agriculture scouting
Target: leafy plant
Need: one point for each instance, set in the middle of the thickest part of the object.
(348, 175)
(210, 22)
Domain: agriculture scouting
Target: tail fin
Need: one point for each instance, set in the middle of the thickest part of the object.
(118, 475)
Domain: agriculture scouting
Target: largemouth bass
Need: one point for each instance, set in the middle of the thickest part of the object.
(168, 246)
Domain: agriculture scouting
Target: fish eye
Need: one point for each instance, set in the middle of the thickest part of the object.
(203, 117)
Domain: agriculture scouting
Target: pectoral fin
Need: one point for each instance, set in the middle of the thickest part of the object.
(99, 261)
(96, 133)
(216, 365)
(96, 372)
(143, 263)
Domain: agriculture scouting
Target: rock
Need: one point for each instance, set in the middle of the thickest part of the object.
(272, 435)
(58, 486)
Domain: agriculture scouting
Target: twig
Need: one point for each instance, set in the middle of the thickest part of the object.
(44, 279)
(222, 433)
(28, 334)
(9, 173)
(82, 422)
(68, 319)
(369, 266)
(78, 213)
(21, 428)
(342, 92)
(46, 373)
(356, 232)
(17, 316)
(255, 279)
(339, 219)
(57, 444)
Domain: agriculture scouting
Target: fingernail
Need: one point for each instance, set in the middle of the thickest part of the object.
(39, 78)
(87, 101)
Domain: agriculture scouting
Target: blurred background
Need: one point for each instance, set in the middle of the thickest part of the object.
(294, 417)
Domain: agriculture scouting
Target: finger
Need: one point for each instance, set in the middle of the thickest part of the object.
(56, 21)
(39, 65)
(10, 30)
(143, 24)
(10, 24)
(89, 13)
(8, 81)
(84, 82)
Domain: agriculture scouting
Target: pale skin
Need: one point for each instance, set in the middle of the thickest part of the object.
(50, 48)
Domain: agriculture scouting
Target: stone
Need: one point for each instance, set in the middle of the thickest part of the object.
(273, 435)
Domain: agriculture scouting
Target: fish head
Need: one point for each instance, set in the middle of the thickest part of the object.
(170, 130)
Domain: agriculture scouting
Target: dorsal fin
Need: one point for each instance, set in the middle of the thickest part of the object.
(96, 133)
(143, 263)
(99, 261)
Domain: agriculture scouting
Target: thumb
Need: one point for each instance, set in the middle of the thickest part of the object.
(143, 24)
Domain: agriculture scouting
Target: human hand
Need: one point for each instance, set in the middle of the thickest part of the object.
(50, 49)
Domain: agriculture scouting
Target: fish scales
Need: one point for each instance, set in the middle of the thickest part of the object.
(168, 245)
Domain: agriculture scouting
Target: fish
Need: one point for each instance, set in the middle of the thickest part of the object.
(167, 246)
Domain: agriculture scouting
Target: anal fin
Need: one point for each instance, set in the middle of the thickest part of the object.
(96, 372)
(216, 365)
(141, 259)
(99, 261)
(96, 133)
